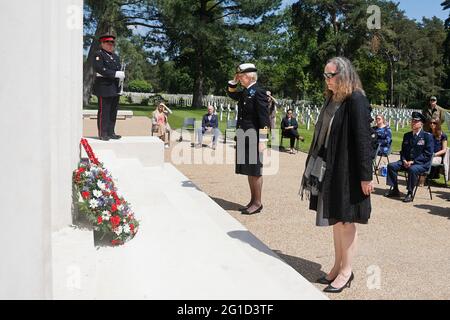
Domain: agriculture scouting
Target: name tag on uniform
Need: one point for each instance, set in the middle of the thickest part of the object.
(421, 142)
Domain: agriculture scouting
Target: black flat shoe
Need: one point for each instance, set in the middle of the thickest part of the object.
(324, 280)
(104, 138)
(408, 198)
(115, 136)
(332, 289)
(243, 208)
(252, 212)
(392, 193)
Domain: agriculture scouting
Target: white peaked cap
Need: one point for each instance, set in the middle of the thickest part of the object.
(246, 67)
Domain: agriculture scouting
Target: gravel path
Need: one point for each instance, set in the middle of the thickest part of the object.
(403, 253)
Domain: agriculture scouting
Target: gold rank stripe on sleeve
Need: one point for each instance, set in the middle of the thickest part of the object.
(230, 89)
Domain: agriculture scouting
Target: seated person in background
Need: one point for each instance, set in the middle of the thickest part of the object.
(160, 124)
(440, 145)
(384, 135)
(210, 123)
(289, 128)
(415, 157)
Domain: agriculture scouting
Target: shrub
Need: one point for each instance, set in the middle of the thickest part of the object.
(139, 86)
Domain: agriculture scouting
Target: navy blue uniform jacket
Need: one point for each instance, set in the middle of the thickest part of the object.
(417, 148)
(106, 64)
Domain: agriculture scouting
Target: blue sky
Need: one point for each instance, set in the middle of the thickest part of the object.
(414, 9)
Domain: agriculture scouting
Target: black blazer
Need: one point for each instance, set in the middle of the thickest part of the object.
(106, 64)
(348, 162)
(214, 123)
(253, 107)
(285, 123)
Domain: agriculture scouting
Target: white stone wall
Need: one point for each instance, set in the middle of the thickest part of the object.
(41, 102)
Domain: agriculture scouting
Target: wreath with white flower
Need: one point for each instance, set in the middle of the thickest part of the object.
(99, 201)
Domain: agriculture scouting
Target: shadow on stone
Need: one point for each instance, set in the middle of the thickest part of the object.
(311, 271)
(102, 239)
(189, 184)
(435, 210)
(250, 239)
(79, 220)
(442, 195)
(227, 205)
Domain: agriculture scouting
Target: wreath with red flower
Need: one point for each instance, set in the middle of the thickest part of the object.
(99, 201)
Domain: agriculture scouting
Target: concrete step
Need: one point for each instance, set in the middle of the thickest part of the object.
(148, 150)
(187, 246)
(202, 252)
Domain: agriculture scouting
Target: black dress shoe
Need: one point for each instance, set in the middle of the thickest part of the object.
(392, 193)
(408, 198)
(252, 212)
(115, 136)
(324, 280)
(332, 289)
(104, 138)
(243, 208)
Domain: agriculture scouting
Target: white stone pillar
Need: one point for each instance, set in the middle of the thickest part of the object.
(41, 102)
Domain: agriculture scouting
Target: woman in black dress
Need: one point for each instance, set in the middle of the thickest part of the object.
(251, 130)
(338, 174)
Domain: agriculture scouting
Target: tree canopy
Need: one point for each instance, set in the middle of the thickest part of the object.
(193, 46)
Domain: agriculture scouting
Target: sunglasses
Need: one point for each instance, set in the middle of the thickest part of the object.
(434, 123)
(109, 41)
(329, 75)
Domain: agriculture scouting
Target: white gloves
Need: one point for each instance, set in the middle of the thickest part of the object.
(232, 82)
(120, 74)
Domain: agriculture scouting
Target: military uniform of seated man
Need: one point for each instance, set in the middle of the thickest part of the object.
(210, 123)
(415, 157)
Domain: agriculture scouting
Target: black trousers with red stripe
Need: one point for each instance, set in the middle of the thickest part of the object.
(106, 116)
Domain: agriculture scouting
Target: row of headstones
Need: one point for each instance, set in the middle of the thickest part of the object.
(185, 100)
(306, 114)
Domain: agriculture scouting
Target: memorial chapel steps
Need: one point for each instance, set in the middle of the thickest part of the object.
(187, 246)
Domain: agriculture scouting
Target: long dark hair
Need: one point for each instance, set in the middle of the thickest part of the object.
(437, 132)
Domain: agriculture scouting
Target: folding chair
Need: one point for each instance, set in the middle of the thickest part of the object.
(374, 163)
(427, 182)
(282, 136)
(297, 141)
(385, 155)
(438, 167)
(154, 130)
(425, 174)
(188, 124)
(231, 126)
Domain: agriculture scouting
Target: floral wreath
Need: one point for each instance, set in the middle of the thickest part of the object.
(99, 201)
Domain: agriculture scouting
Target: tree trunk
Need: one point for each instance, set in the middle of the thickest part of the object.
(105, 24)
(198, 90)
(88, 72)
(392, 84)
(198, 83)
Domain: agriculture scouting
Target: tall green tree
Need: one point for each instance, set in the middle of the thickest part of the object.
(198, 34)
(118, 17)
